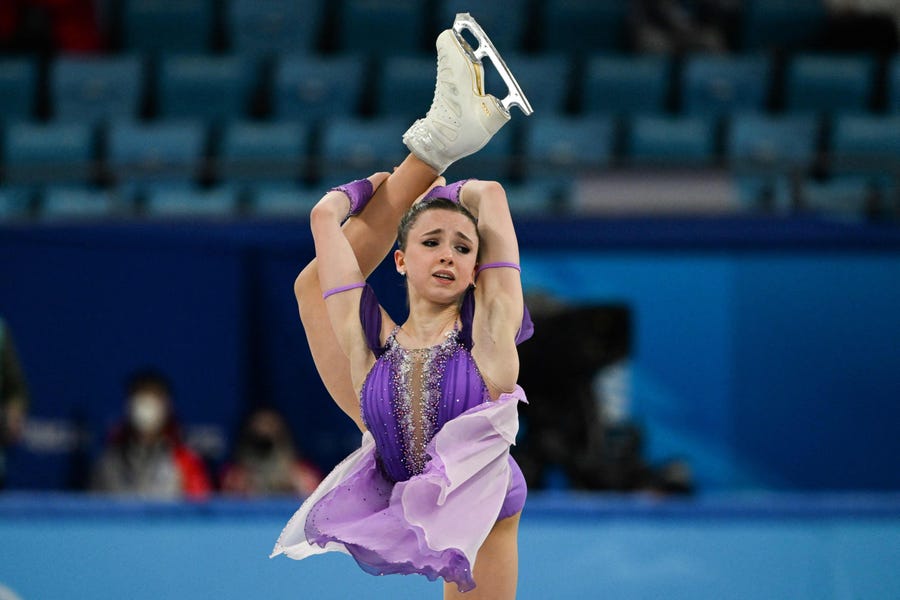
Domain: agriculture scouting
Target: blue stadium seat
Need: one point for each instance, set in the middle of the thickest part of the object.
(545, 79)
(204, 87)
(282, 200)
(493, 162)
(504, 22)
(406, 86)
(716, 84)
(538, 198)
(383, 27)
(850, 198)
(623, 85)
(15, 203)
(759, 143)
(847, 197)
(39, 153)
(179, 26)
(893, 83)
(312, 87)
(663, 140)
(163, 152)
(270, 27)
(561, 146)
(190, 203)
(353, 148)
(787, 24)
(96, 89)
(578, 26)
(67, 203)
(865, 145)
(18, 84)
(270, 152)
(829, 83)
(770, 193)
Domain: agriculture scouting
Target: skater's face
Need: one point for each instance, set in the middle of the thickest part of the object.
(148, 410)
(440, 255)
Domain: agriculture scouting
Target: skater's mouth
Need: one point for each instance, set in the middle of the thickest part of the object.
(444, 275)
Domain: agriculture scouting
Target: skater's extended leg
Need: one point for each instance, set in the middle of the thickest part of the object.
(461, 120)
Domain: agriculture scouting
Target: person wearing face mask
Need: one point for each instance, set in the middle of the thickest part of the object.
(145, 455)
(266, 461)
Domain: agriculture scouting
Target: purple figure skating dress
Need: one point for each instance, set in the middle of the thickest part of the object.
(434, 471)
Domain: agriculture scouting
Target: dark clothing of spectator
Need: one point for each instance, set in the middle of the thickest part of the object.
(49, 26)
(266, 461)
(13, 396)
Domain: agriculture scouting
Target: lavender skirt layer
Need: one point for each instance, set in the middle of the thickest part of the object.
(433, 523)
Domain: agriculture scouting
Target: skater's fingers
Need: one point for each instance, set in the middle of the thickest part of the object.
(439, 180)
(378, 178)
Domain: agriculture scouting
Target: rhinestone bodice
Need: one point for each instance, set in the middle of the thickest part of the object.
(410, 393)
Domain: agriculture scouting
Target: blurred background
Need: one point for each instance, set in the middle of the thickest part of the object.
(707, 200)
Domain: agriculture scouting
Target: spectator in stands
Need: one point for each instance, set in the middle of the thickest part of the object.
(13, 396)
(266, 461)
(145, 455)
(49, 25)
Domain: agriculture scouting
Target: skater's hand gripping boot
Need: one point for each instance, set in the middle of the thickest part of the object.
(451, 191)
(359, 192)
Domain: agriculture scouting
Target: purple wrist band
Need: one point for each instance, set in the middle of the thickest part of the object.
(497, 265)
(359, 192)
(343, 288)
(450, 192)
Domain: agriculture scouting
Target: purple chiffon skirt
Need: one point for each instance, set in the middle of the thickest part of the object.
(433, 523)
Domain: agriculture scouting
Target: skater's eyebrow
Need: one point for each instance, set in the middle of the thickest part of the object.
(440, 230)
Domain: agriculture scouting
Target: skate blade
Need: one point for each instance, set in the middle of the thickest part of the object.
(515, 95)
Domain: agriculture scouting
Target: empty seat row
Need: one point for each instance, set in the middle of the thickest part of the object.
(407, 26)
(264, 200)
(312, 87)
(846, 196)
(852, 197)
(89, 203)
(179, 151)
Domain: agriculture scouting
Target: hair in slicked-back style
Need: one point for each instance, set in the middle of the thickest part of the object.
(412, 215)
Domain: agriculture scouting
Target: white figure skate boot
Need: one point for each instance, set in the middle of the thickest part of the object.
(462, 117)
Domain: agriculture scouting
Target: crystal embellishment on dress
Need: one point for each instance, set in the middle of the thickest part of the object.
(416, 376)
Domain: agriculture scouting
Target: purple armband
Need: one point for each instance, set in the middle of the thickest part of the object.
(343, 288)
(359, 192)
(497, 265)
(450, 192)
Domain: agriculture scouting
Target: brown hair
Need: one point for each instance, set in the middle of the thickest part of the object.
(412, 215)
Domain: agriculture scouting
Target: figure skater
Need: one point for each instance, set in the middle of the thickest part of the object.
(432, 489)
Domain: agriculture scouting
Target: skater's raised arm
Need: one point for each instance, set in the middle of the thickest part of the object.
(339, 272)
(498, 293)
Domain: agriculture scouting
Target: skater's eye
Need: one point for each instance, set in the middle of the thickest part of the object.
(430, 243)
(463, 249)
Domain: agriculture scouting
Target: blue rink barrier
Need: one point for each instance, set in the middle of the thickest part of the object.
(766, 546)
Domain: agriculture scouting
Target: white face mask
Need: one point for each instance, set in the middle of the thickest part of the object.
(147, 412)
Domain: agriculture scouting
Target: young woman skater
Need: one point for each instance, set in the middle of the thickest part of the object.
(433, 489)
